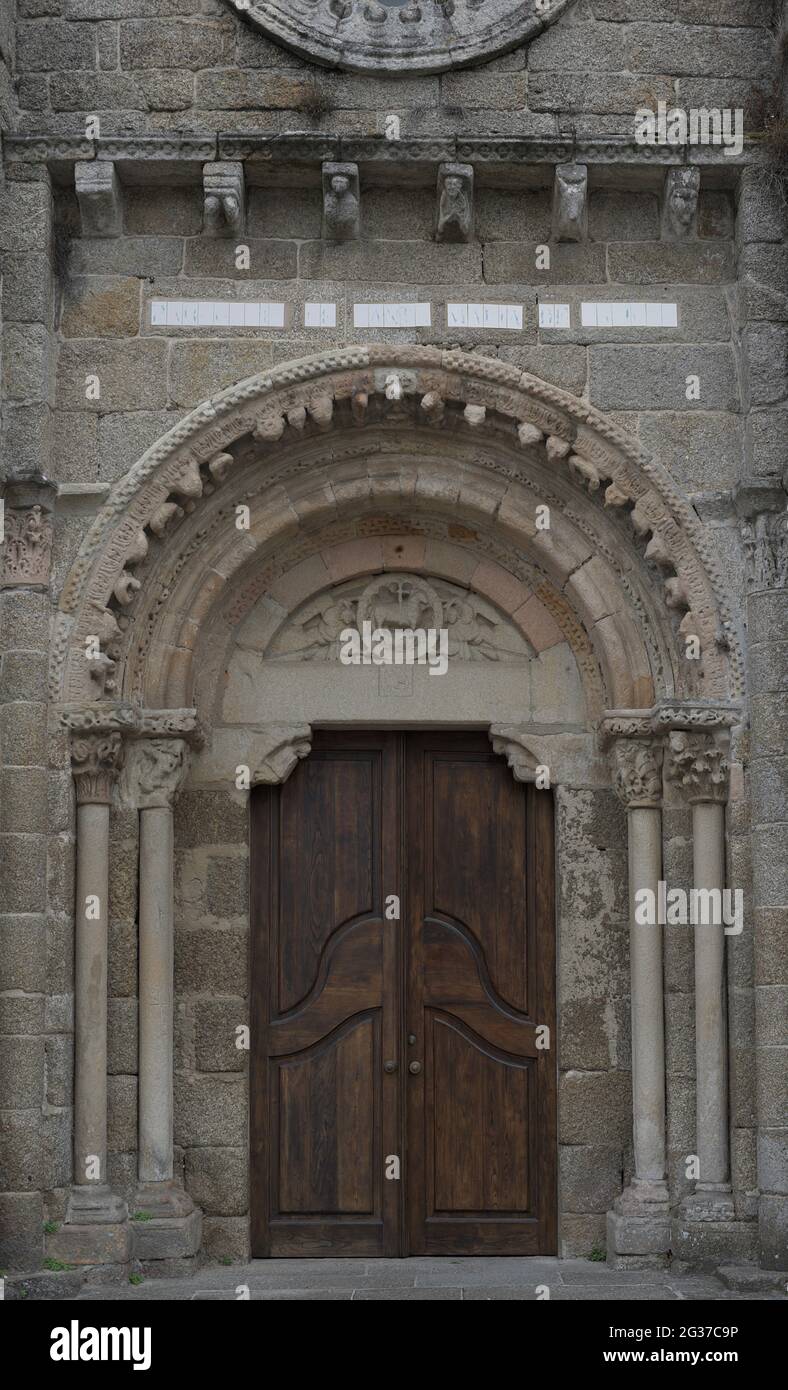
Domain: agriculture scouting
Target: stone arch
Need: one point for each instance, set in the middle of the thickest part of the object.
(329, 450)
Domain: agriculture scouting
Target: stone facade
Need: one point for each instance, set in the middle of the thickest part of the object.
(150, 647)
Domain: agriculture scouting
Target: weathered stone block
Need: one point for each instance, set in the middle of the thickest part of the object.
(218, 1180)
(210, 1111)
(705, 1243)
(21, 1073)
(144, 256)
(21, 1014)
(22, 952)
(60, 873)
(701, 450)
(590, 1177)
(101, 307)
(23, 872)
(411, 262)
(26, 435)
(228, 886)
(570, 264)
(122, 1036)
(207, 256)
(200, 369)
(123, 438)
(766, 346)
(209, 818)
(23, 801)
(186, 43)
(60, 1069)
(21, 1165)
(122, 1113)
(631, 378)
(21, 1230)
(208, 959)
(215, 1036)
(650, 263)
(226, 1237)
(130, 375)
(769, 717)
(26, 363)
(50, 45)
(773, 1231)
(637, 1236)
(583, 1038)
(28, 289)
(25, 218)
(767, 437)
(122, 958)
(595, 1107)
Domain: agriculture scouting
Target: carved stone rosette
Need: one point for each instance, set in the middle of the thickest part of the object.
(698, 763)
(96, 760)
(637, 772)
(155, 771)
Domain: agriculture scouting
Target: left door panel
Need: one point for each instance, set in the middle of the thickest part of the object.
(325, 1109)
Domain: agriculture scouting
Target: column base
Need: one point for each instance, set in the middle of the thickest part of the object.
(165, 1224)
(95, 1230)
(711, 1201)
(705, 1244)
(638, 1227)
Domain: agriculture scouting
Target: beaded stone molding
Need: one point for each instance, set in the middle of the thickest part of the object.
(400, 36)
(463, 394)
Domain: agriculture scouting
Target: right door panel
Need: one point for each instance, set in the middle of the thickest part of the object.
(481, 1095)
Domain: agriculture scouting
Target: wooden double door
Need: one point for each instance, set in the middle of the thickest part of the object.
(402, 1100)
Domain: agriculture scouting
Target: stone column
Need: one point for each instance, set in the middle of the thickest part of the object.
(698, 763)
(639, 1225)
(156, 769)
(766, 546)
(95, 1229)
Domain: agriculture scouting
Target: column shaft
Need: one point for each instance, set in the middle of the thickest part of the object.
(648, 1025)
(156, 994)
(708, 830)
(90, 987)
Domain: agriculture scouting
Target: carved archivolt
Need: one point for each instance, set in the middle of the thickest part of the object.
(118, 569)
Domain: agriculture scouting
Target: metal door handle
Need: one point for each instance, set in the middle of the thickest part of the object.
(389, 1066)
(414, 1068)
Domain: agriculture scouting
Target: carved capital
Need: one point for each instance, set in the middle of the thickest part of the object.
(698, 763)
(637, 772)
(96, 760)
(509, 740)
(155, 771)
(765, 542)
(27, 549)
(277, 749)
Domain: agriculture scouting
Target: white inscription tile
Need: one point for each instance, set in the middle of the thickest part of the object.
(622, 314)
(318, 315)
(392, 316)
(216, 313)
(507, 316)
(554, 316)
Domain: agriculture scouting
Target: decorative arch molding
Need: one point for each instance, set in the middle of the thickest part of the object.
(339, 439)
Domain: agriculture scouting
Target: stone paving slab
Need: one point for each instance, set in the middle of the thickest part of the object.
(424, 1279)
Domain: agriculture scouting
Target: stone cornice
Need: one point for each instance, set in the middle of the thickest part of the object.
(310, 147)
